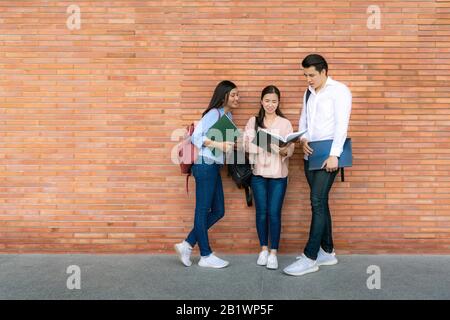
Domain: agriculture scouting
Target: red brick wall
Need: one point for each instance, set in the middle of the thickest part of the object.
(87, 114)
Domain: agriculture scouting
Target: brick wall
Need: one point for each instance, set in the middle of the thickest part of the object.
(86, 117)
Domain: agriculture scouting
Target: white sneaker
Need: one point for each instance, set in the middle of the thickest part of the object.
(326, 259)
(272, 262)
(184, 251)
(212, 261)
(262, 259)
(302, 266)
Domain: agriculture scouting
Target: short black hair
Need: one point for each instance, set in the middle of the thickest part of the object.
(317, 61)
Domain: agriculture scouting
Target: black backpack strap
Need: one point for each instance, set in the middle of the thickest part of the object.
(308, 93)
(248, 196)
(342, 175)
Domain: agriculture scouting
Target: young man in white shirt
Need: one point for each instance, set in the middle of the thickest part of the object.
(326, 116)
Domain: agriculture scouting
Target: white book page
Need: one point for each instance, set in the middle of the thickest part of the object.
(295, 135)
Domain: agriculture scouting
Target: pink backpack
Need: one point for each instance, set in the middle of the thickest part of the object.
(187, 152)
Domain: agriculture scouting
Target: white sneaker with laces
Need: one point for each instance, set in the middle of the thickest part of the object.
(212, 261)
(326, 259)
(184, 251)
(302, 266)
(262, 259)
(272, 262)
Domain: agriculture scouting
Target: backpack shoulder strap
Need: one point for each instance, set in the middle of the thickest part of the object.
(248, 196)
(308, 93)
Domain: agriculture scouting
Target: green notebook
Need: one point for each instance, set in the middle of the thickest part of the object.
(223, 130)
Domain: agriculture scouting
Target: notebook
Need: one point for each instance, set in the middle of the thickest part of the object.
(223, 130)
(322, 152)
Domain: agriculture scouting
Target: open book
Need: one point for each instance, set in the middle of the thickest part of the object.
(265, 138)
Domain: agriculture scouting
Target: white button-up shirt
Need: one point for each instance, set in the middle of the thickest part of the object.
(327, 115)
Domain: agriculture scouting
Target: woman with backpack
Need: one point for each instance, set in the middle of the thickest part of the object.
(270, 171)
(209, 198)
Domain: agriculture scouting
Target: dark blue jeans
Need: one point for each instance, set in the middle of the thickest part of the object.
(209, 204)
(320, 233)
(269, 195)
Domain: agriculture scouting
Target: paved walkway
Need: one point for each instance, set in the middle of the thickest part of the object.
(157, 277)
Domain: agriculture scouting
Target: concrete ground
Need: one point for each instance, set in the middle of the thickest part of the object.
(155, 277)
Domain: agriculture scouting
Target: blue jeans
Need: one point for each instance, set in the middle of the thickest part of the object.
(320, 233)
(269, 195)
(209, 204)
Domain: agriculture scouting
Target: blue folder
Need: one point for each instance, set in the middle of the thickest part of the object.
(321, 152)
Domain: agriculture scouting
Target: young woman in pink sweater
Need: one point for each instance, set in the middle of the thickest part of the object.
(270, 172)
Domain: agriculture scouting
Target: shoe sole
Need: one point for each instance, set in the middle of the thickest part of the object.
(314, 269)
(329, 263)
(214, 267)
(272, 268)
(179, 256)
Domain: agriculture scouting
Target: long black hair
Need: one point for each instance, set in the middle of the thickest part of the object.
(220, 95)
(262, 113)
